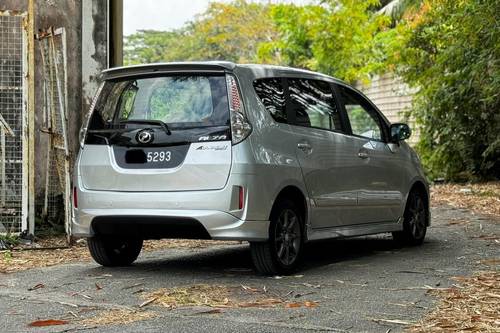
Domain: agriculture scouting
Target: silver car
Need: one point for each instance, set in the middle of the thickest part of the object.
(271, 155)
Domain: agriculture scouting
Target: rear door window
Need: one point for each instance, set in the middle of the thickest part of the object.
(312, 102)
(272, 94)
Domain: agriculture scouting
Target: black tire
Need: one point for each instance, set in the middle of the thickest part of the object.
(114, 251)
(415, 222)
(281, 254)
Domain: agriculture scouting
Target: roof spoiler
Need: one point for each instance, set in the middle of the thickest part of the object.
(160, 68)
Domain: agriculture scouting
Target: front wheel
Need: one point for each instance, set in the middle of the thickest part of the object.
(415, 221)
(281, 254)
(114, 251)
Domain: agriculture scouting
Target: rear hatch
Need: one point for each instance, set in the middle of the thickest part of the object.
(159, 132)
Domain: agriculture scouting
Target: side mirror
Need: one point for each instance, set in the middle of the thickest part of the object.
(400, 132)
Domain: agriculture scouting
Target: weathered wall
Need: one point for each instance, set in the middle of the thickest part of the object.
(94, 47)
(392, 96)
(85, 22)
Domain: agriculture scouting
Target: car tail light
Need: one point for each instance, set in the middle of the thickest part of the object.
(75, 197)
(241, 202)
(240, 127)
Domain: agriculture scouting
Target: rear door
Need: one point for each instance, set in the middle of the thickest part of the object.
(159, 133)
(376, 172)
(319, 139)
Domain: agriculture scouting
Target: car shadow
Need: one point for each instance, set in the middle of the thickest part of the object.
(236, 260)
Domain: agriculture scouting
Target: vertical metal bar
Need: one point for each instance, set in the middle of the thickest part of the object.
(31, 117)
(2, 167)
(67, 162)
(47, 107)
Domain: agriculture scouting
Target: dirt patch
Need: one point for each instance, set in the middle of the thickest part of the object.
(35, 256)
(217, 296)
(118, 317)
(473, 306)
(483, 198)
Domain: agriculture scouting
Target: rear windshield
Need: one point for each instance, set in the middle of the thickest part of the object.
(180, 101)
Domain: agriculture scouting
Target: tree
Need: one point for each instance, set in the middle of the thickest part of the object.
(452, 55)
(149, 46)
(337, 38)
(225, 31)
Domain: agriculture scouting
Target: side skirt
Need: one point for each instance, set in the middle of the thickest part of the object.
(354, 230)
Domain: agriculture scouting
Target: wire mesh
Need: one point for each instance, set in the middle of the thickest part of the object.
(12, 39)
(54, 87)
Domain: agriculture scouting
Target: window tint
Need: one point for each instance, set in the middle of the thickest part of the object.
(364, 120)
(176, 99)
(181, 101)
(272, 95)
(313, 104)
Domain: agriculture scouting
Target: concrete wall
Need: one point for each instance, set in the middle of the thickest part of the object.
(94, 50)
(87, 56)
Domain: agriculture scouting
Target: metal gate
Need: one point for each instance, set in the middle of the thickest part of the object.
(56, 208)
(13, 123)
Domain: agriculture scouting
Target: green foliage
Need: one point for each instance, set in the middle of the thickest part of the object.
(10, 240)
(338, 38)
(449, 50)
(149, 46)
(231, 32)
(452, 55)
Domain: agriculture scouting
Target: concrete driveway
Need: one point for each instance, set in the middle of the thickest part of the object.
(354, 285)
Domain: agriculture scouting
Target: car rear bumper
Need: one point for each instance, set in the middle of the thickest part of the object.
(166, 223)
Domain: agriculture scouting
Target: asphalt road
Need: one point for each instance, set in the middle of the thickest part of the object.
(354, 282)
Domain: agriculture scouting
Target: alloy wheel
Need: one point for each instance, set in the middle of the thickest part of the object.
(287, 237)
(417, 217)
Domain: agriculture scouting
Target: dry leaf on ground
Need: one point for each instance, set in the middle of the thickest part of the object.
(48, 322)
(22, 259)
(217, 296)
(474, 307)
(483, 198)
(117, 317)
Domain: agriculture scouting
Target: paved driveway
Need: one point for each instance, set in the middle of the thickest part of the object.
(354, 284)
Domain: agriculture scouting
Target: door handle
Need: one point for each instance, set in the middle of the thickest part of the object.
(363, 155)
(304, 146)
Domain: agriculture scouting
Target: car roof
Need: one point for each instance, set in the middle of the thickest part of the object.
(208, 66)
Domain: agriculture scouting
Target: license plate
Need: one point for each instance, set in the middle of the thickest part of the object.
(151, 157)
(159, 156)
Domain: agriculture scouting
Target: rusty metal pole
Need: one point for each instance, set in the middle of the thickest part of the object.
(31, 117)
(115, 33)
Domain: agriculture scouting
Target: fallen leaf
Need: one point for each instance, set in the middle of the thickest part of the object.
(133, 286)
(149, 301)
(138, 291)
(293, 305)
(392, 321)
(246, 288)
(48, 322)
(262, 303)
(310, 304)
(213, 311)
(311, 285)
(37, 286)
(97, 286)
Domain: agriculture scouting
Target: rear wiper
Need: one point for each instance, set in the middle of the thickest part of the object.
(150, 122)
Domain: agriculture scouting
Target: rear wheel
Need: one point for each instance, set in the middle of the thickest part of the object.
(415, 221)
(281, 254)
(113, 251)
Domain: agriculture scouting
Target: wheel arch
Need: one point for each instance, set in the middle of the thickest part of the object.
(295, 194)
